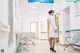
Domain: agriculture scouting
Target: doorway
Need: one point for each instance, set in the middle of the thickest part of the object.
(34, 28)
(66, 24)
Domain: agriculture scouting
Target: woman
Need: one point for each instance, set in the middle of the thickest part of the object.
(53, 30)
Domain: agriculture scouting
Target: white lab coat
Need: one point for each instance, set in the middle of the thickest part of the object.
(52, 33)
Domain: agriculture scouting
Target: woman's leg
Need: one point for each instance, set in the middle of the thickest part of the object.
(53, 43)
(50, 41)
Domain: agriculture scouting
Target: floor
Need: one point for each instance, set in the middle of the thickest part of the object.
(43, 47)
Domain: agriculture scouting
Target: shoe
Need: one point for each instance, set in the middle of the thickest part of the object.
(53, 50)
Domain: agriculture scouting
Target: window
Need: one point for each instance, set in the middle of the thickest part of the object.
(41, 1)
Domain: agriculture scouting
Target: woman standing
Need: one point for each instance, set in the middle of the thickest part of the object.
(53, 30)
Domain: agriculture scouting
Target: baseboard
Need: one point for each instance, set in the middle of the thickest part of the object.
(62, 44)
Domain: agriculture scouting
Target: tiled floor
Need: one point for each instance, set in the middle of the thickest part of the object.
(43, 47)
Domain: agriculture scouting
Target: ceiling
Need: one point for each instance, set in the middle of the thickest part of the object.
(34, 8)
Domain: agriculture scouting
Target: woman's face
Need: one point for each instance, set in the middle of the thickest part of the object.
(52, 13)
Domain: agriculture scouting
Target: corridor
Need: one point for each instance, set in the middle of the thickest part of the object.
(43, 47)
(26, 20)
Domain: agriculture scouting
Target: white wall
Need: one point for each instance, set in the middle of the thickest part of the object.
(4, 41)
(75, 24)
(74, 21)
(65, 4)
(43, 25)
(16, 25)
(18, 18)
(4, 19)
(64, 18)
(4, 11)
(27, 20)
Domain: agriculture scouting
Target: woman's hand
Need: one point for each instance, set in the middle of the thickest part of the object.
(56, 30)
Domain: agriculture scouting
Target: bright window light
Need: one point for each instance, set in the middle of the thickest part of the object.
(41, 1)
